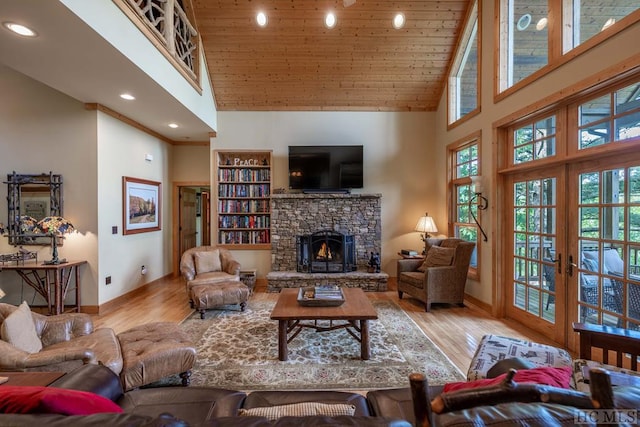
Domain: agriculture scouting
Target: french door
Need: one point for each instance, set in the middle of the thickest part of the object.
(535, 241)
(573, 239)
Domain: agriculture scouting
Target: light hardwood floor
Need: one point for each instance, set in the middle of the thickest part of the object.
(456, 330)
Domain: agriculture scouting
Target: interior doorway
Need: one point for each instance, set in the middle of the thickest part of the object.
(191, 218)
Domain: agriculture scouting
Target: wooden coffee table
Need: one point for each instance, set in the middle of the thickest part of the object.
(353, 315)
(31, 378)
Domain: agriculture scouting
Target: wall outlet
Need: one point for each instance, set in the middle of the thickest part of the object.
(107, 280)
(114, 229)
(143, 270)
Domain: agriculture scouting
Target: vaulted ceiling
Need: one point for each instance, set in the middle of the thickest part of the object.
(296, 63)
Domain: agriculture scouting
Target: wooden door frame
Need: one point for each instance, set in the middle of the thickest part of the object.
(175, 222)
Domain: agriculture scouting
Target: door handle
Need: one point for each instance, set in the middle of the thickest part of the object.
(559, 262)
(571, 265)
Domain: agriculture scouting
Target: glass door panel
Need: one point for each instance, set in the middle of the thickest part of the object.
(536, 293)
(607, 244)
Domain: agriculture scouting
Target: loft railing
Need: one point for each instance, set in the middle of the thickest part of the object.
(168, 21)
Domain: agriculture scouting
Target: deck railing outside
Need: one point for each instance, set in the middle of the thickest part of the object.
(170, 24)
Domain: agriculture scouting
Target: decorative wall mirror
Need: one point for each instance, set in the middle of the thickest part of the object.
(31, 198)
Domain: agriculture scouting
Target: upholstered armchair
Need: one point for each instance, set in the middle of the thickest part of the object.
(33, 342)
(203, 265)
(441, 276)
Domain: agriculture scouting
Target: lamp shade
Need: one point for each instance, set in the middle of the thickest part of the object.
(2, 294)
(55, 225)
(426, 225)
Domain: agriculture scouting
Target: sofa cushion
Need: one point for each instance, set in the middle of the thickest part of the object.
(52, 400)
(546, 375)
(207, 261)
(18, 330)
(493, 348)
(414, 278)
(302, 409)
(437, 257)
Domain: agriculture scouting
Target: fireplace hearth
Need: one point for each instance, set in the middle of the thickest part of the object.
(325, 251)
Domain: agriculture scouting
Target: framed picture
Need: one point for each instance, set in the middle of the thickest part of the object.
(141, 205)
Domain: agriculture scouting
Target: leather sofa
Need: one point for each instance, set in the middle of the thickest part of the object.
(208, 406)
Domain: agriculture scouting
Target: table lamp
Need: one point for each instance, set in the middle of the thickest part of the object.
(54, 226)
(426, 225)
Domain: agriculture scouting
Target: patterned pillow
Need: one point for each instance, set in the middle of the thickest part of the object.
(18, 330)
(207, 261)
(302, 409)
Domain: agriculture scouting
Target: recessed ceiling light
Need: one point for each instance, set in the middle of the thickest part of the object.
(20, 29)
(330, 20)
(398, 21)
(127, 96)
(609, 23)
(261, 18)
(542, 24)
(173, 125)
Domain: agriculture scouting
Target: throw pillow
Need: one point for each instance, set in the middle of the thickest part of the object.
(19, 331)
(302, 409)
(547, 375)
(208, 261)
(437, 257)
(52, 400)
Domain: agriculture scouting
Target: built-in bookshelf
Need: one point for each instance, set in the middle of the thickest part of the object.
(243, 196)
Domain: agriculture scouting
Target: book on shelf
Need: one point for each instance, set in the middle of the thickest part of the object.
(408, 252)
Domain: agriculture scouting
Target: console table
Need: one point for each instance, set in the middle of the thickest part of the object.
(52, 281)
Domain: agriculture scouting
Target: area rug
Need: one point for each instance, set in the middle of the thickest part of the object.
(239, 350)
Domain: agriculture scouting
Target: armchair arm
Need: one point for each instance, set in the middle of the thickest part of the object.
(63, 327)
(187, 270)
(408, 265)
(233, 267)
(12, 358)
(441, 283)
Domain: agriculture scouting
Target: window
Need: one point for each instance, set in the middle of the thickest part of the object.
(525, 39)
(535, 140)
(465, 164)
(532, 43)
(609, 118)
(464, 77)
(588, 18)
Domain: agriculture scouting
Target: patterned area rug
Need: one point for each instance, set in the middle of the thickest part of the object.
(239, 350)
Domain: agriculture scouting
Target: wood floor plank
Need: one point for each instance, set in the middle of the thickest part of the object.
(455, 330)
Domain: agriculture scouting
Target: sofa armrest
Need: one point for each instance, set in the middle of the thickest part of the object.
(233, 267)
(12, 358)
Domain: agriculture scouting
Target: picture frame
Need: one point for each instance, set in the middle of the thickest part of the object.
(141, 205)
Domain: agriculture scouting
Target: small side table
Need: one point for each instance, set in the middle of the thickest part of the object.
(404, 256)
(248, 277)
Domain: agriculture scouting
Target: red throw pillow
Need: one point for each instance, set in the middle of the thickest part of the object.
(51, 400)
(547, 375)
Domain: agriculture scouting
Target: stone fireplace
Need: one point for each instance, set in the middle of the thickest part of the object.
(353, 216)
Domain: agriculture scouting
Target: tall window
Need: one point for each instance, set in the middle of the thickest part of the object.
(464, 163)
(464, 76)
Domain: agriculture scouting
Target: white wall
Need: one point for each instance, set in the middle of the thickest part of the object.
(397, 157)
(618, 49)
(42, 131)
(121, 152)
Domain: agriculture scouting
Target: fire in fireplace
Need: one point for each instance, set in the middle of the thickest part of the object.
(326, 251)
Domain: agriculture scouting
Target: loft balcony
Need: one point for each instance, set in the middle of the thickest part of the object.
(166, 24)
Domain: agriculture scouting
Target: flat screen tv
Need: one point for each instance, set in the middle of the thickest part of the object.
(325, 167)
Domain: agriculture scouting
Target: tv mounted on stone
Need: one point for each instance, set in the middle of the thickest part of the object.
(325, 168)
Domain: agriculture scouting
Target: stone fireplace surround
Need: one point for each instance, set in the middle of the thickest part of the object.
(294, 214)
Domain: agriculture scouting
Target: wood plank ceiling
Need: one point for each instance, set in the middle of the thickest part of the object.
(296, 63)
